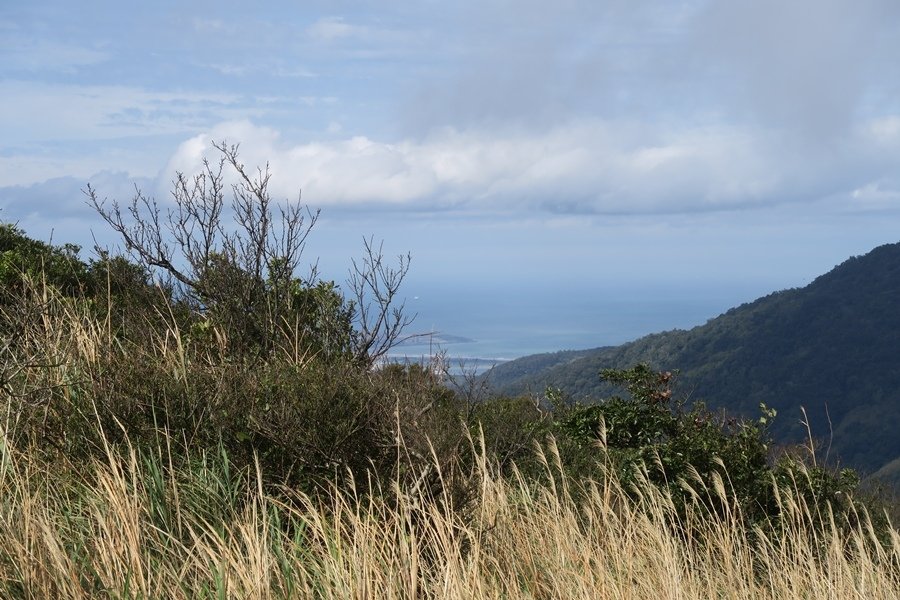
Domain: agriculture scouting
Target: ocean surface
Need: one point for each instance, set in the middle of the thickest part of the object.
(481, 326)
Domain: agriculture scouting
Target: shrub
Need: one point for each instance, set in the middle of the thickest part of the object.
(21, 256)
(691, 451)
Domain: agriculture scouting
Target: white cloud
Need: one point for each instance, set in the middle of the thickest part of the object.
(885, 130)
(213, 26)
(270, 68)
(333, 28)
(876, 196)
(586, 166)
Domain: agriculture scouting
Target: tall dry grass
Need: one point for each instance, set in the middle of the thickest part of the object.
(136, 526)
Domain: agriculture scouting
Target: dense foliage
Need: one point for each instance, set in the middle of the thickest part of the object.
(691, 451)
(830, 348)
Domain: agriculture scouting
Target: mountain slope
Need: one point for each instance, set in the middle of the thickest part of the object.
(832, 347)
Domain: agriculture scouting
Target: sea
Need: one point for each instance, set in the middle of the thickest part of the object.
(477, 327)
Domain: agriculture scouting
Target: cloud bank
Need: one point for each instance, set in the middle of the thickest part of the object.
(586, 166)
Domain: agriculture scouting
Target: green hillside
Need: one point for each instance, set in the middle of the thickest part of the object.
(832, 347)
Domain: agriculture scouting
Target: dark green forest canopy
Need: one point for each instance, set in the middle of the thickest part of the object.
(832, 347)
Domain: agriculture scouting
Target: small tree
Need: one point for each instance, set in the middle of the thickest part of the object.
(239, 275)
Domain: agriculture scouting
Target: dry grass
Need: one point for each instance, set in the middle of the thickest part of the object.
(135, 526)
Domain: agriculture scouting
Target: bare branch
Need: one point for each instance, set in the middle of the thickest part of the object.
(242, 268)
(379, 319)
(144, 239)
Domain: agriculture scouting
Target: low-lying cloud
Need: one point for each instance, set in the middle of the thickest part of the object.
(587, 166)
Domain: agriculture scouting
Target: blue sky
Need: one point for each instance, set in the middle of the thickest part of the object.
(742, 144)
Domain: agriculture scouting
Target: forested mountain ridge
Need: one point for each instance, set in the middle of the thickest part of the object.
(832, 347)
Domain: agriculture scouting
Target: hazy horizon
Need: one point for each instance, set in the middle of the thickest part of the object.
(508, 323)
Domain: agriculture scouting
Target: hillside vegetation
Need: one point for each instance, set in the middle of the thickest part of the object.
(194, 420)
(831, 347)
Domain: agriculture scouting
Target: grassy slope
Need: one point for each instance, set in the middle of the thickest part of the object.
(131, 526)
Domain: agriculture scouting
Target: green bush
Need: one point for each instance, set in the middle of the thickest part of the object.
(101, 343)
(688, 450)
(21, 256)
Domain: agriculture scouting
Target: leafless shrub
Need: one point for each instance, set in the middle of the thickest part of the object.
(379, 321)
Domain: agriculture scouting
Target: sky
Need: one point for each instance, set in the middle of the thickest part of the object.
(728, 147)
